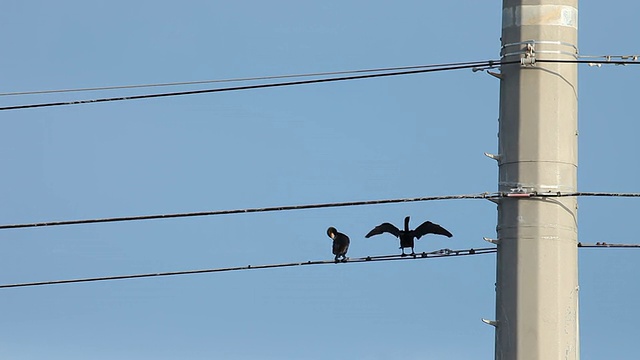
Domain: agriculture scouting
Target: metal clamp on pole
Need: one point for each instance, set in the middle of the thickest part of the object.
(529, 56)
(525, 61)
(531, 49)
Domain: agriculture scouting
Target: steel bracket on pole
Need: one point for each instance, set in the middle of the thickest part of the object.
(495, 157)
(493, 241)
(493, 323)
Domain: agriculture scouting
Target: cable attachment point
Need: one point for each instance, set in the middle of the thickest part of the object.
(520, 192)
(529, 56)
(528, 61)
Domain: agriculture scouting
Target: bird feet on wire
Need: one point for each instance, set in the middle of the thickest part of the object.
(337, 260)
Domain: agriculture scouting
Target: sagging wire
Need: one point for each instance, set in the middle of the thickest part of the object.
(514, 193)
(240, 79)
(248, 210)
(444, 67)
(425, 255)
(475, 66)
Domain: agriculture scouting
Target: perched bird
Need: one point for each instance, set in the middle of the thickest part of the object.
(340, 243)
(406, 236)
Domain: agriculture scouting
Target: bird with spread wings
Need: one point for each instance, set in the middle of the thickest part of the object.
(406, 236)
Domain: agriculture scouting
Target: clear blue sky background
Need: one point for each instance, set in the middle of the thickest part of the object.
(408, 136)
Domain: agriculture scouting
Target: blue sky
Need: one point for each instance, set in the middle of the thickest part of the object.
(407, 136)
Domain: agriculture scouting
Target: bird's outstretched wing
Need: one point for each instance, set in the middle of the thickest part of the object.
(382, 228)
(428, 227)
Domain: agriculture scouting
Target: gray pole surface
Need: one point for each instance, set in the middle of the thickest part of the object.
(537, 267)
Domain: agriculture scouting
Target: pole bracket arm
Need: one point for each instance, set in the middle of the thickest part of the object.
(493, 241)
(493, 323)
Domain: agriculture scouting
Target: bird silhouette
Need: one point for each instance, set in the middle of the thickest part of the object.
(340, 243)
(406, 236)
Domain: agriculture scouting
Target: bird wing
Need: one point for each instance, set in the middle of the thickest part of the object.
(382, 228)
(428, 227)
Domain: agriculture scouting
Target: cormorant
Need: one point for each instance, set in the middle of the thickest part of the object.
(406, 236)
(340, 243)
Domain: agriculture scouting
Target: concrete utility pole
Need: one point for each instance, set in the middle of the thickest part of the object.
(537, 268)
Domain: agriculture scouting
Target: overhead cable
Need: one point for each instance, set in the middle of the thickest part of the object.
(424, 255)
(568, 194)
(242, 79)
(257, 86)
(249, 210)
(420, 69)
(485, 196)
(607, 245)
(589, 62)
(632, 57)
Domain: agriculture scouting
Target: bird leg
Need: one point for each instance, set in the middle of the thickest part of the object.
(403, 254)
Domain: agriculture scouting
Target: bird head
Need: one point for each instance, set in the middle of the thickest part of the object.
(406, 223)
(331, 232)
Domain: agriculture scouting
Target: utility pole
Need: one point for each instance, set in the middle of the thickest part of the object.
(537, 267)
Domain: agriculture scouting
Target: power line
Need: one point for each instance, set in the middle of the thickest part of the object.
(485, 196)
(603, 62)
(606, 245)
(607, 60)
(489, 63)
(570, 194)
(633, 57)
(256, 78)
(424, 255)
(422, 69)
(249, 210)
